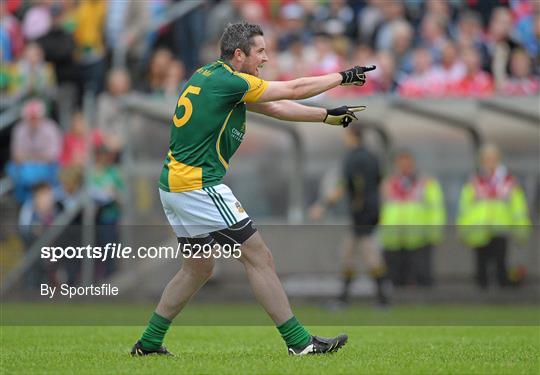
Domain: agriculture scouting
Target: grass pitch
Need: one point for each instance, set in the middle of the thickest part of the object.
(260, 350)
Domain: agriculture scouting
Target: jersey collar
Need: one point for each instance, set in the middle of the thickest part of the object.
(226, 65)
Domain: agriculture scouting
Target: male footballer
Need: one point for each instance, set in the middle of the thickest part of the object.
(207, 128)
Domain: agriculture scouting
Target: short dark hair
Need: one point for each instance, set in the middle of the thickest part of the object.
(238, 35)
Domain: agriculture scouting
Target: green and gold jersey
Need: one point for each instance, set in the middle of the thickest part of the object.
(208, 126)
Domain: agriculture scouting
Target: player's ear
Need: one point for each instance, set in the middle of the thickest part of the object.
(239, 55)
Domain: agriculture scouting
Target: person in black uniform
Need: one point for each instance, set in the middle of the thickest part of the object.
(360, 181)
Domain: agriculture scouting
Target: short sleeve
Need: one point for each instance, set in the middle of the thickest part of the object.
(256, 87)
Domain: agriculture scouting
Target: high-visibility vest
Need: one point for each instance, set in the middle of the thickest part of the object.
(492, 206)
(412, 214)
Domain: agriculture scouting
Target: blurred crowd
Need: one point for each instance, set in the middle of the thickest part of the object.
(422, 48)
(55, 53)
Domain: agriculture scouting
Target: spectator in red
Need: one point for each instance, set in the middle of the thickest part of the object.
(451, 67)
(327, 60)
(476, 82)
(424, 80)
(11, 37)
(521, 80)
(363, 55)
(74, 149)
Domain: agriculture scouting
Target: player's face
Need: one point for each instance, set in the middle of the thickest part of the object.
(405, 165)
(490, 161)
(257, 57)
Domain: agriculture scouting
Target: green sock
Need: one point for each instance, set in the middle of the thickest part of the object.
(153, 335)
(294, 333)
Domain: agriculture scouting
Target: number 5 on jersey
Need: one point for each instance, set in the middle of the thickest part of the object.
(184, 101)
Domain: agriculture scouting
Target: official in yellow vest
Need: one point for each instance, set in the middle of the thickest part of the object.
(492, 209)
(412, 220)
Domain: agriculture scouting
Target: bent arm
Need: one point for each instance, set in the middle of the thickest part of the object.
(301, 88)
(289, 111)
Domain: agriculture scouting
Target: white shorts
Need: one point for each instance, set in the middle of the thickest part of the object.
(196, 213)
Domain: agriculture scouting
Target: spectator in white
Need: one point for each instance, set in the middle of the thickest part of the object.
(424, 80)
(34, 75)
(109, 121)
(35, 148)
(37, 20)
(433, 35)
(451, 67)
(521, 80)
(500, 44)
(402, 39)
(393, 11)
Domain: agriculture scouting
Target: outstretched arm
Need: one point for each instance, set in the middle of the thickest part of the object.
(307, 87)
(288, 110)
(291, 111)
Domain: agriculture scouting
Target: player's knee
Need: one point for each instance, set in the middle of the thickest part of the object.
(201, 269)
(257, 254)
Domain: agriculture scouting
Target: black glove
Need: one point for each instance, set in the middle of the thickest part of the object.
(355, 76)
(342, 115)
